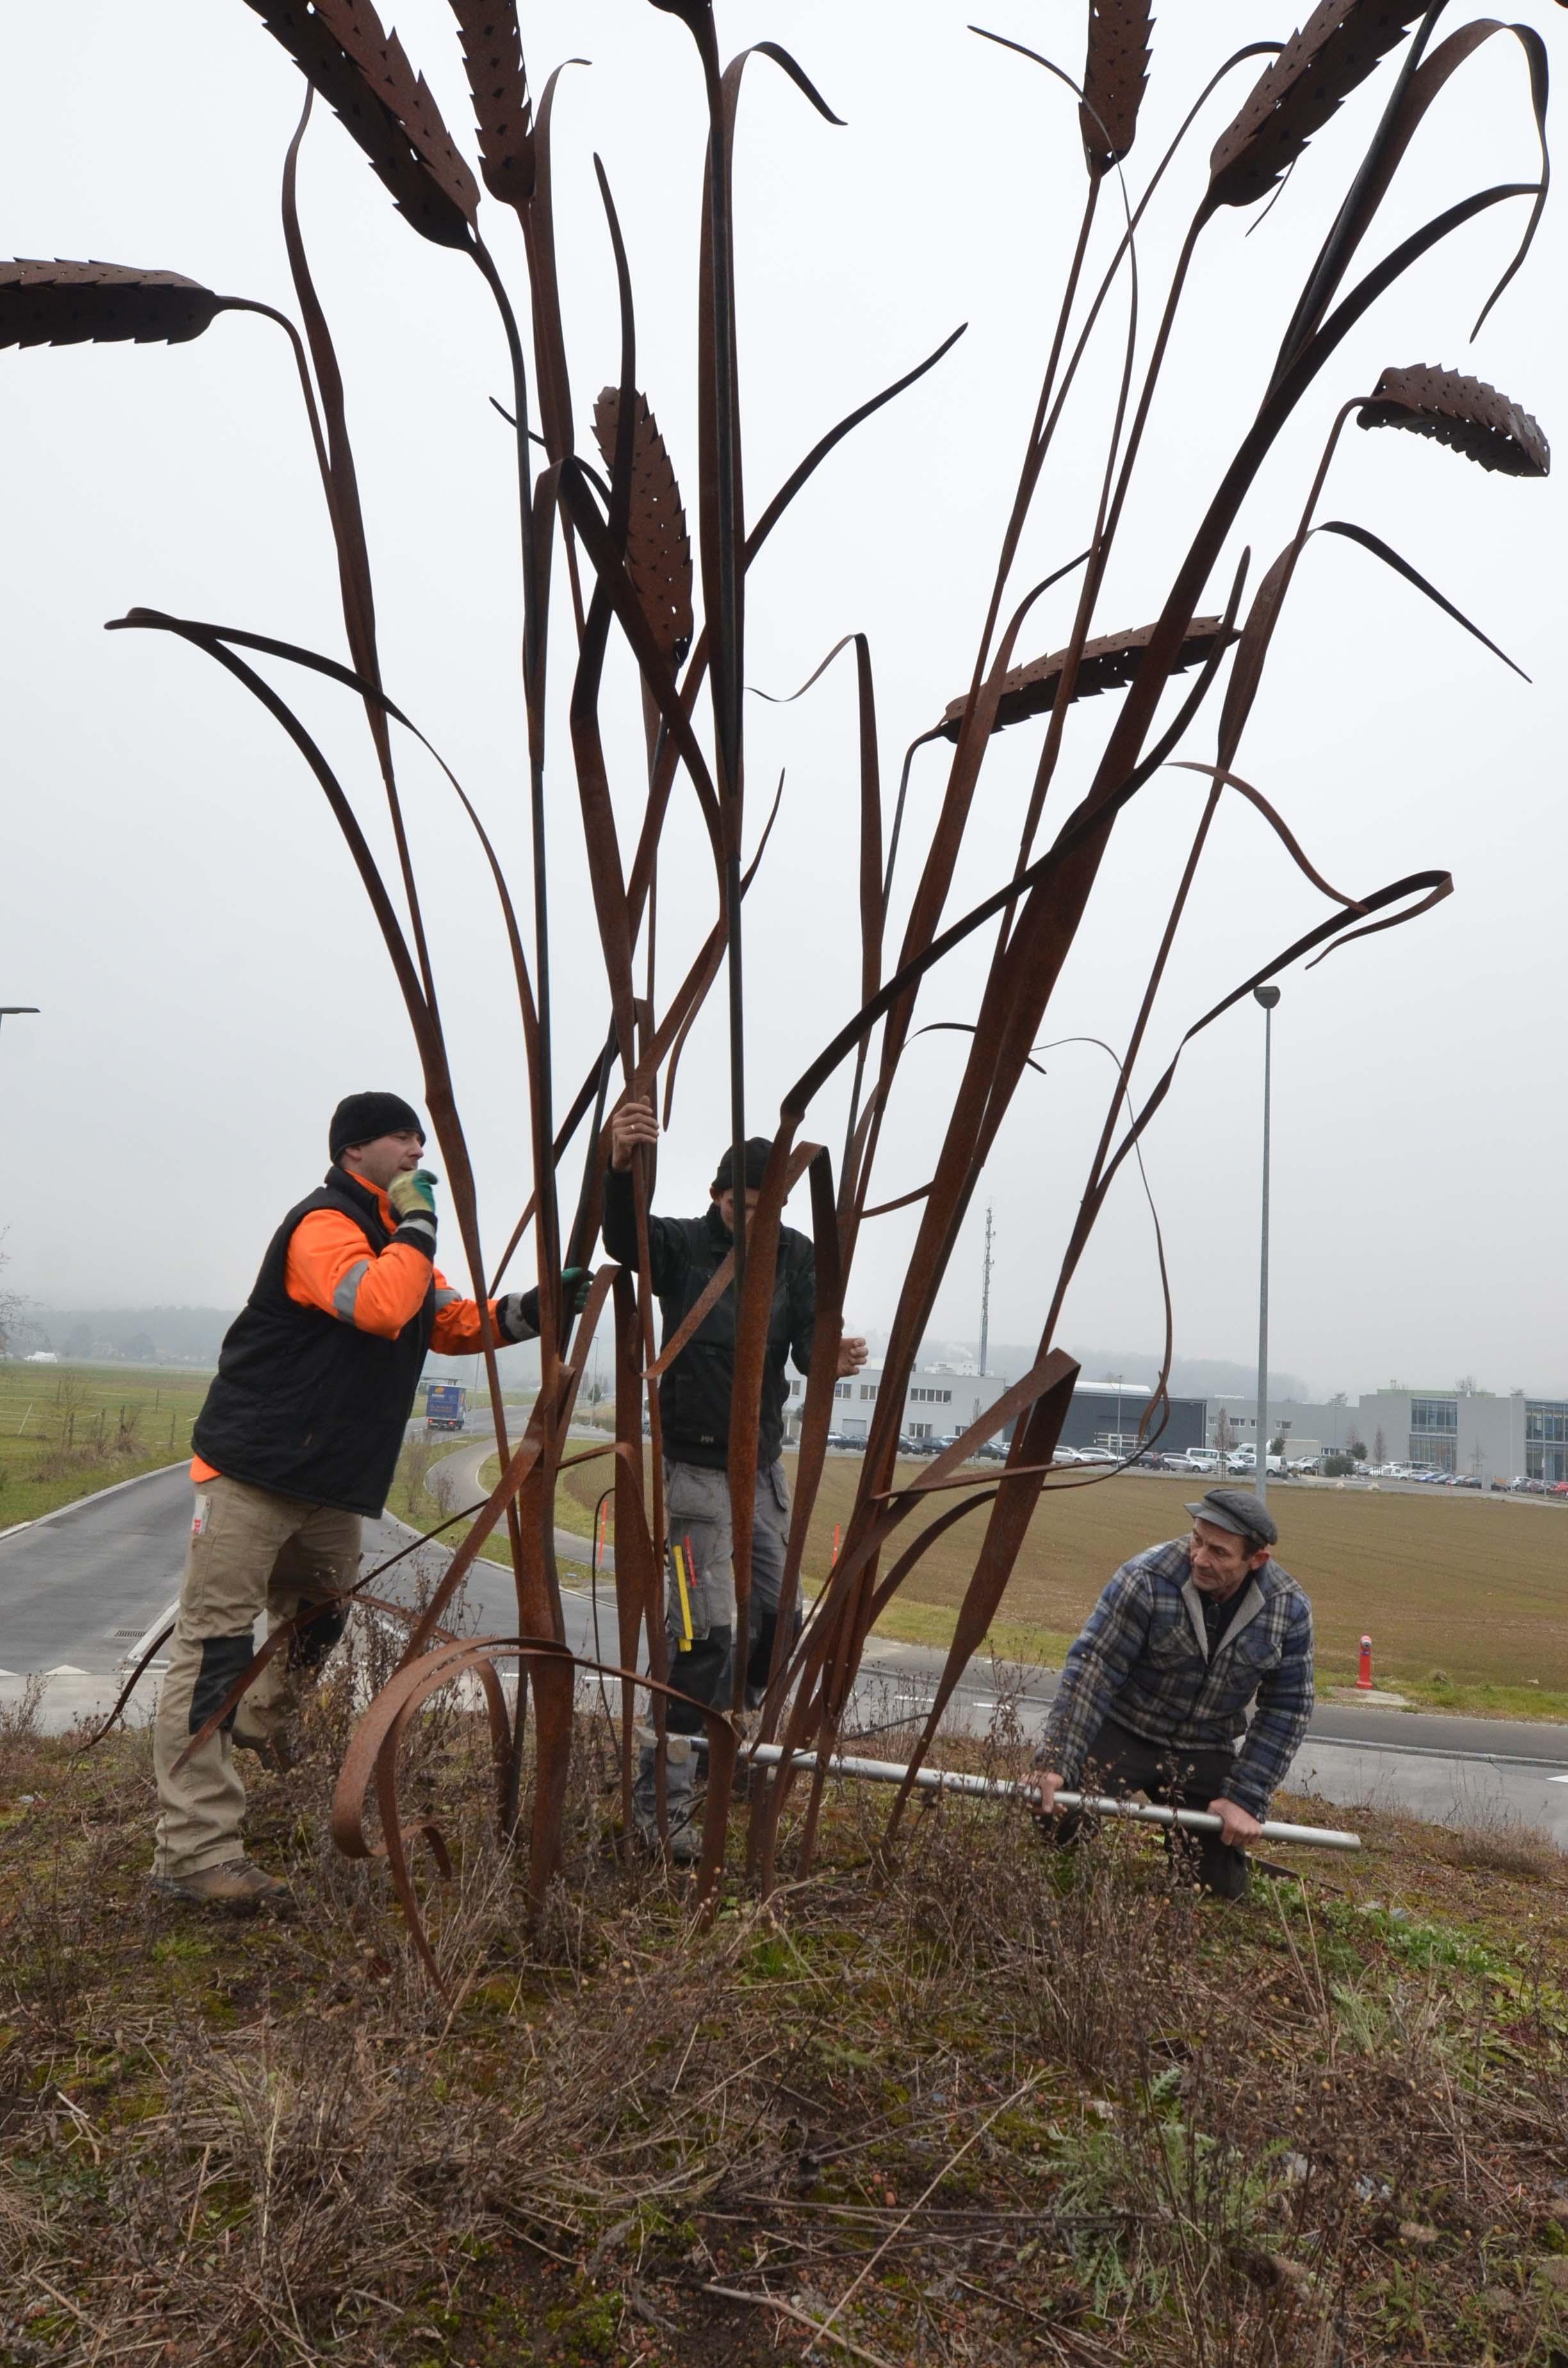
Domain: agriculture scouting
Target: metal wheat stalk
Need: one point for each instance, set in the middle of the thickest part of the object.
(620, 528)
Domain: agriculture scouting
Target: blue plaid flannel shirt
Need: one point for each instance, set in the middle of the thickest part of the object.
(1143, 1659)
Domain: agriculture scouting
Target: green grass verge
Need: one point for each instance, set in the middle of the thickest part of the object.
(68, 1430)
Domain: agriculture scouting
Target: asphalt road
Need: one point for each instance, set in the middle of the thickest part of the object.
(81, 1589)
(78, 1587)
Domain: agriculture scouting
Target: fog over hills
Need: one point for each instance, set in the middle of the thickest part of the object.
(191, 1335)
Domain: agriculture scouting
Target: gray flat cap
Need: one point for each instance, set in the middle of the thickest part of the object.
(1238, 1510)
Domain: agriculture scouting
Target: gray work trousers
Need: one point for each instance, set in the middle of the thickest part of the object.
(701, 1627)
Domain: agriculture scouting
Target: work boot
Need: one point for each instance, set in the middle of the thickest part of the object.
(238, 1885)
(680, 1797)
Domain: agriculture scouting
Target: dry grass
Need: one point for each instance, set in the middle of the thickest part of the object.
(990, 2111)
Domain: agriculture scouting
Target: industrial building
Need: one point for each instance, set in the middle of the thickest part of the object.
(942, 1400)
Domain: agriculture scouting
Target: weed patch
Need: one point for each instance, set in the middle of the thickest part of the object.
(974, 2106)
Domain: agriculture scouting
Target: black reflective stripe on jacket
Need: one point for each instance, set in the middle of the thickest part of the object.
(694, 1396)
(302, 1402)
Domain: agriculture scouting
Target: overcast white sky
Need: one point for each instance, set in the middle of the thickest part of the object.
(177, 900)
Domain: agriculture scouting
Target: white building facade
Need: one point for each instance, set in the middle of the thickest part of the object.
(1469, 1432)
(939, 1402)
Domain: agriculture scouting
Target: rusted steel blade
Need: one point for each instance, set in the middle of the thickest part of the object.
(1464, 414)
(44, 303)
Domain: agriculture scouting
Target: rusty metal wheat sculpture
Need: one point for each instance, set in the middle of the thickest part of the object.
(621, 534)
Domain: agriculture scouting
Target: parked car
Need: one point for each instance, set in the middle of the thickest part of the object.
(1558, 1488)
(1096, 1455)
(1065, 1455)
(992, 1451)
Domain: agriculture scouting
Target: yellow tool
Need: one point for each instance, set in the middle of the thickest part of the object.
(686, 1639)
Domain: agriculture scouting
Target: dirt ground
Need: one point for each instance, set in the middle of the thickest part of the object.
(971, 2105)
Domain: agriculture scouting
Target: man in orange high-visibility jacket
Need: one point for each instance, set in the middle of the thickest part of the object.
(298, 1439)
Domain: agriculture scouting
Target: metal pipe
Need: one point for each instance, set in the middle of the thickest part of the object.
(990, 1788)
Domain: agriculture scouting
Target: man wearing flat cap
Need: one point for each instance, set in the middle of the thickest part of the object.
(1186, 1640)
(296, 1440)
(684, 1254)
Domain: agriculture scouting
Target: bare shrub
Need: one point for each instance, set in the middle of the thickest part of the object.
(1496, 1839)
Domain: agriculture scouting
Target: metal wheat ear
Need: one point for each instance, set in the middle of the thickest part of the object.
(602, 488)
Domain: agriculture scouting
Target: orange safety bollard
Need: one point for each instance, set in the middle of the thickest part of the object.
(1363, 1675)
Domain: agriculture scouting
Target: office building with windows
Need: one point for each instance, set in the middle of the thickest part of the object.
(1472, 1431)
(1468, 1432)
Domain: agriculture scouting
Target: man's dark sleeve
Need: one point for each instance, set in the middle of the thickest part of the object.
(666, 1243)
(802, 1306)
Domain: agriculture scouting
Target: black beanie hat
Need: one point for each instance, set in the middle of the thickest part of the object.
(360, 1118)
(757, 1151)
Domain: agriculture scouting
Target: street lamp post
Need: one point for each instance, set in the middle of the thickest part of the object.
(1268, 997)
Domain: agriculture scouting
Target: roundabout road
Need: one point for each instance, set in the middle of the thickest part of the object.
(82, 1590)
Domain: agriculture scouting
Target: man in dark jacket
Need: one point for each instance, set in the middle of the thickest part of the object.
(296, 1440)
(1154, 1694)
(694, 1406)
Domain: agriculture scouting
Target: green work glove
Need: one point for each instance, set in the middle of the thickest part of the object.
(413, 1198)
(519, 1310)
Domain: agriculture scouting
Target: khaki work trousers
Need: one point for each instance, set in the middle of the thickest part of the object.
(250, 1552)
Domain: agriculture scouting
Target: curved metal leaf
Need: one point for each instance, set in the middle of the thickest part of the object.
(436, 202)
(1116, 75)
(1463, 413)
(1340, 44)
(1107, 664)
(45, 303)
(498, 82)
(658, 549)
(1390, 558)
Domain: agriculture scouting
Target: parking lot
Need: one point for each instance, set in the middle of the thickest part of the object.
(1240, 1471)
